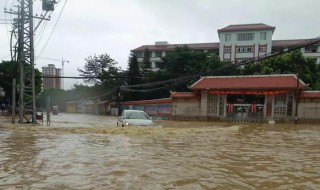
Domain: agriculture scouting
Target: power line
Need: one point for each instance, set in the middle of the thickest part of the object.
(247, 62)
(123, 88)
(41, 33)
(4, 57)
(75, 77)
(53, 28)
(49, 59)
(108, 92)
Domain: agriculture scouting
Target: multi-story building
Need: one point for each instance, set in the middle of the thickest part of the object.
(51, 71)
(237, 43)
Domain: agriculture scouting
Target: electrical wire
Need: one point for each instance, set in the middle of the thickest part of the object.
(45, 45)
(41, 34)
(123, 88)
(49, 59)
(5, 16)
(5, 57)
(108, 92)
(159, 82)
(249, 61)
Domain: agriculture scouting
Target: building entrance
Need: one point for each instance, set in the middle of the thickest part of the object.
(245, 108)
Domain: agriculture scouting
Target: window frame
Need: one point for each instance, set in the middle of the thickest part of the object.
(227, 37)
(245, 36)
(263, 35)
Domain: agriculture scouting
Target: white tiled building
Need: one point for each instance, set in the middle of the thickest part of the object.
(51, 71)
(237, 43)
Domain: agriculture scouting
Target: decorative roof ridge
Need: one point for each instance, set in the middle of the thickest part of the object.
(250, 76)
(183, 92)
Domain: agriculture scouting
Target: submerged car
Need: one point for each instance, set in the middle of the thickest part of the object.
(134, 118)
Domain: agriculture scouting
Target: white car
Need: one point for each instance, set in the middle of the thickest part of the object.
(134, 118)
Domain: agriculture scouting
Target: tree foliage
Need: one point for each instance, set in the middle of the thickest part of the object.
(133, 74)
(98, 68)
(146, 63)
(8, 70)
(133, 70)
(290, 63)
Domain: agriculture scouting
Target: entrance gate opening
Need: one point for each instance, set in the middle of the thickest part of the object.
(245, 108)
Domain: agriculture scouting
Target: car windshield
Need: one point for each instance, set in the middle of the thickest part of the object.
(136, 115)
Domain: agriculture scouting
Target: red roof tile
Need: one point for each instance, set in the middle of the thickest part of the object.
(143, 102)
(287, 43)
(248, 82)
(171, 47)
(244, 27)
(215, 46)
(310, 94)
(184, 95)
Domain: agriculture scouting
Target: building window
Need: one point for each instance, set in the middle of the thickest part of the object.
(262, 48)
(227, 49)
(159, 65)
(263, 35)
(244, 49)
(311, 49)
(228, 37)
(158, 53)
(242, 60)
(227, 60)
(245, 37)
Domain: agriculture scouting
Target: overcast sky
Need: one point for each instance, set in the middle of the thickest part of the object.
(115, 27)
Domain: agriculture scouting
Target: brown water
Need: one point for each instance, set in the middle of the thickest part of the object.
(178, 155)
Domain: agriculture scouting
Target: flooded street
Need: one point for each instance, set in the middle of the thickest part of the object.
(90, 152)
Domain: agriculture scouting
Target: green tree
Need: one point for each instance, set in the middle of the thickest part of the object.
(133, 70)
(98, 68)
(183, 61)
(213, 66)
(8, 70)
(290, 63)
(133, 75)
(146, 63)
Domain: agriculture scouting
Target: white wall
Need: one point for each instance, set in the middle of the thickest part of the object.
(309, 109)
(186, 107)
(234, 43)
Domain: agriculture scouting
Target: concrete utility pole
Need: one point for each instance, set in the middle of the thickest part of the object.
(297, 97)
(118, 99)
(23, 28)
(62, 72)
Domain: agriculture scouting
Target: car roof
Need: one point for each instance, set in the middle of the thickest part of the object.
(133, 110)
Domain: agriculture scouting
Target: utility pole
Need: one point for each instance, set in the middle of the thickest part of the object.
(23, 28)
(62, 72)
(297, 98)
(118, 94)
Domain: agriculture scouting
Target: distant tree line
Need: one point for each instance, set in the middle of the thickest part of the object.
(179, 69)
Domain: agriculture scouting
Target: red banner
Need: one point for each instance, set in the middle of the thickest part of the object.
(230, 107)
(253, 108)
(249, 92)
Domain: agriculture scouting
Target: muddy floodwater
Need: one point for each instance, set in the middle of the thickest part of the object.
(90, 152)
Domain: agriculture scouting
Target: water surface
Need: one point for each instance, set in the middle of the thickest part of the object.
(89, 152)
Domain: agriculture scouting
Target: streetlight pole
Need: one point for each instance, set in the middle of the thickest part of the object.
(62, 71)
(297, 97)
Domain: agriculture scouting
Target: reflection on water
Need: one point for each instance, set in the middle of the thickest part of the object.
(179, 155)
